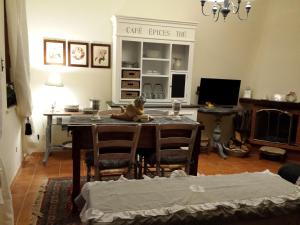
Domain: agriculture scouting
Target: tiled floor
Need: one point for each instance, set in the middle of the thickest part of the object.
(33, 174)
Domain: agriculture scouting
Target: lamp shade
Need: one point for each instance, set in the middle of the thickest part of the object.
(54, 79)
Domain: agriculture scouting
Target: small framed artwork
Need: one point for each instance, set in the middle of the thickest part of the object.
(78, 54)
(54, 52)
(100, 55)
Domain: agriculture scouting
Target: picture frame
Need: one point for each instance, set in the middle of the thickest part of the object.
(101, 54)
(78, 54)
(54, 52)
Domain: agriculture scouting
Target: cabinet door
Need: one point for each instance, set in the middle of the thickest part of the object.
(180, 57)
(131, 54)
(178, 85)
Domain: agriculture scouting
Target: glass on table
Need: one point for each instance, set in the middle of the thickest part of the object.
(176, 106)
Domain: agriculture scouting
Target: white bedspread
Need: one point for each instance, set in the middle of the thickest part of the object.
(204, 197)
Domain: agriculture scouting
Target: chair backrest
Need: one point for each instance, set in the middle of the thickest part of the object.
(172, 138)
(114, 142)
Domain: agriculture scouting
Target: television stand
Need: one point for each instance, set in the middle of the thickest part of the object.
(218, 112)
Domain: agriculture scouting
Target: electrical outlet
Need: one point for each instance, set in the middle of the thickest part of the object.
(16, 149)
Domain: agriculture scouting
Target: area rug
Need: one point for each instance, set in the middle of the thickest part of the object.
(56, 204)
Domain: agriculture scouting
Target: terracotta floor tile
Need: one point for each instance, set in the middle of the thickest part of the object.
(20, 187)
(17, 204)
(25, 215)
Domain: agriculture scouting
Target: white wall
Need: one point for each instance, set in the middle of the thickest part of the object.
(10, 140)
(221, 49)
(276, 63)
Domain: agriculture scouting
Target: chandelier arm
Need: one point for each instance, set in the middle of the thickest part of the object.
(240, 18)
(218, 14)
(235, 9)
(202, 9)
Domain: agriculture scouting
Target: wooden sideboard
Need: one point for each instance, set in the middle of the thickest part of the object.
(274, 123)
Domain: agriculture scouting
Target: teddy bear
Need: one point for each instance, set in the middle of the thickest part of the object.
(133, 112)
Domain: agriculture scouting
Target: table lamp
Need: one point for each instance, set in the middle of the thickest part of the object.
(54, 80)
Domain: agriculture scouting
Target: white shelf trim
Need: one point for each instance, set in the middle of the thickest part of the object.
(130, 89)
(156, 59)
(131, 79)
(155, 75)
(130, 68)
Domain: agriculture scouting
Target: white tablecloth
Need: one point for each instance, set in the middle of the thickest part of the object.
(188, 198)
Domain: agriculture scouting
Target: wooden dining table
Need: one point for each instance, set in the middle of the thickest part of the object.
(80, 127)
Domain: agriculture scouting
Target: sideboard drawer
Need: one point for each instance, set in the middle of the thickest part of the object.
(129, 94)
(130, 84)
(130, 74)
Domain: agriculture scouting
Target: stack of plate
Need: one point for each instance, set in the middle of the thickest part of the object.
(89, 111)
(72, 108)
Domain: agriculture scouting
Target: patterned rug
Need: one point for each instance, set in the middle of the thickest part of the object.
(56, 204)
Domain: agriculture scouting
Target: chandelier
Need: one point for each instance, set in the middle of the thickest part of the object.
(224, 7)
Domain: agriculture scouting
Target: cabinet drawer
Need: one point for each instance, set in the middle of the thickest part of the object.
(130, 74)
(129, 94)
(130, 84)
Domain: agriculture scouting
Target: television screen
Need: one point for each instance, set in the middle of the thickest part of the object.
(223, 92)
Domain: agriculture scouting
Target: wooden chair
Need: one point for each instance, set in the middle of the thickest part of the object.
(174, 146)
(114, 149)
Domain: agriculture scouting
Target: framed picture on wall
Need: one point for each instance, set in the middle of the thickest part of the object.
(78, 54)
(54, 52)
(100, 55)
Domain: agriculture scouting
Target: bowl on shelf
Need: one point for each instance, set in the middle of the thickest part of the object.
(237, 151)
(153, 53)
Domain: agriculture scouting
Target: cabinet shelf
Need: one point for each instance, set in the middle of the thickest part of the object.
(130, 68)
(154, 75)
(130, 89)
(178, 71)
(137, 79)
(156, 59)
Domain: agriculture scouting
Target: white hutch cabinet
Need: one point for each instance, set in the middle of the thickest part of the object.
(152, 57)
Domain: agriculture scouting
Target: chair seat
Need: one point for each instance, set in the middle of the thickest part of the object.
(178, 159)
(105, 163)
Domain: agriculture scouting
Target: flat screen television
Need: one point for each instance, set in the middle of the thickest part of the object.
(221, 92)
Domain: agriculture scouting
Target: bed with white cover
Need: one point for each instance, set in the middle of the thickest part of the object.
(259, 198)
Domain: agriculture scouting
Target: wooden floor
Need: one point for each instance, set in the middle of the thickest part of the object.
(33, 174)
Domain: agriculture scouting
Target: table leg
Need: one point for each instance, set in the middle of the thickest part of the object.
(195, 156)
(76, 166)
(48, 139)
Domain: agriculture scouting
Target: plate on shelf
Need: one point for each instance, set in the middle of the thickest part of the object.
(130, 64)
(152, 72)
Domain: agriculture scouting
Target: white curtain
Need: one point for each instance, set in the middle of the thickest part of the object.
(6, 208)
(19, 55)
